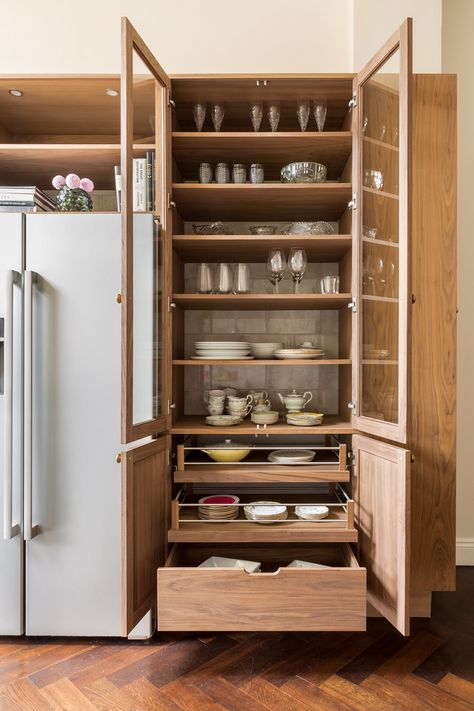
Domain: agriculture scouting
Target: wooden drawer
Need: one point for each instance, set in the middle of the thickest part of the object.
(278, 598)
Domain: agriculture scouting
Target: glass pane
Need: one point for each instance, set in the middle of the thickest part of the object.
(147, 249)
(380, 208)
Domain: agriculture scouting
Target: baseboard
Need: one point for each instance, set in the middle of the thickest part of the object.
(464, 551)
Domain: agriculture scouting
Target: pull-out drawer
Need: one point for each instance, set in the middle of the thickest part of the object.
(277, 598)
(329, 464)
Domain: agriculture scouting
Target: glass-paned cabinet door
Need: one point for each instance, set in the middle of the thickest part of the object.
(380, 223)
(145, 186)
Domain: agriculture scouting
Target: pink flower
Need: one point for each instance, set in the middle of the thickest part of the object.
(87, 185)
(58, 181)
(73, 180)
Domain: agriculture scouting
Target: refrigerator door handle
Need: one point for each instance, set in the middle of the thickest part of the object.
(9, 531)
(29, 531)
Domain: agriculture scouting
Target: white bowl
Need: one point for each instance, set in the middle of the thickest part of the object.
(305, 564)
(217, 561)
(264, 350)
(264, 418)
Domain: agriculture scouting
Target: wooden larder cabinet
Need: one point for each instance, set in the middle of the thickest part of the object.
(383, 460)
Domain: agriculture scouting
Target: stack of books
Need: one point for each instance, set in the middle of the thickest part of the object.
(14, 198)
(143, 183)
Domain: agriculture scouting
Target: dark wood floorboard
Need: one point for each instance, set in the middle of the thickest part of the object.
(378, 670)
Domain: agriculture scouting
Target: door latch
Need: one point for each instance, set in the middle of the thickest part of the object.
(171, 406)
(171, 304)
(171, 103)
(352, 204)
(352, 305)
(353, 102)
(171, 203)
(351, 405)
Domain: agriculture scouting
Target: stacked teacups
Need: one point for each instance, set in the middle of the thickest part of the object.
(216, 402)
(240, 406)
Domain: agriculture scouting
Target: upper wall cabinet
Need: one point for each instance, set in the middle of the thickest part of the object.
(381, 233)
(145, 160)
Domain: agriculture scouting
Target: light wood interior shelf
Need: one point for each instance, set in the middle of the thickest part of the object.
(254, 248)
(270, 361)
(252, 302)
(195, 424)
(272, 149)
(282, 201)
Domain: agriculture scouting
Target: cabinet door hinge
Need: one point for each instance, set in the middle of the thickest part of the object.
(353, 102)
(171, 304)
(171, 103)
(171, 406)
(352, 204)
(351, 405)
(171, 203)
(352, 305)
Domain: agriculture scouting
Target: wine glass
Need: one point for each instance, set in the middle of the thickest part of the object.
(273, 113)
(199, 113)
(217, 116)
(302, 112)
(297, 262)
(256, 113)
(320, 109)
(276, 267)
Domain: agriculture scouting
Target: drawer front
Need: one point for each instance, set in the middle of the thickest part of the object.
(203, 599)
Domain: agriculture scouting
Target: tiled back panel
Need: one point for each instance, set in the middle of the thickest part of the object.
(288, 327)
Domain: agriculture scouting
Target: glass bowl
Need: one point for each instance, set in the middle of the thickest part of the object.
(304, 172)
(308, 228)
(213, 228)
(262, 230)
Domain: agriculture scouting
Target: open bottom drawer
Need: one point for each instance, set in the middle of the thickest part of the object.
(277, 598)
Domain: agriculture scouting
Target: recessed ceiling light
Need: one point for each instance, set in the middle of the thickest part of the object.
(111, 92)
(15, 92)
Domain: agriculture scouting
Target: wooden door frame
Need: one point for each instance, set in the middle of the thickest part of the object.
(132, 42)
(401, 40)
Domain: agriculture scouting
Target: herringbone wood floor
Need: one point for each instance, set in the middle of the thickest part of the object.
(372, 671)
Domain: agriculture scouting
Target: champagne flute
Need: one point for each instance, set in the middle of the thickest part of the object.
(320, 109)
(256, 114)
(199, 113)
(297, 262)
(302, 112)
(273, 112)
(276, 267)
(217, 116)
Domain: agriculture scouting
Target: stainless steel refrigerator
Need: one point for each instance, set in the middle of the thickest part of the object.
(60, 424)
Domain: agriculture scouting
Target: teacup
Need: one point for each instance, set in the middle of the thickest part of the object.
(258, 394)
(233, 400)
(240, 410)
(215, 407)
(217, 393)
(261, 405)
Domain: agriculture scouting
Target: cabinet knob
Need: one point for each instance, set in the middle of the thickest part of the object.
(118, 298)
(118, 458)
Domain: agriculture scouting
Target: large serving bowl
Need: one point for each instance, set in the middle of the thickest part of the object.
(304, 172)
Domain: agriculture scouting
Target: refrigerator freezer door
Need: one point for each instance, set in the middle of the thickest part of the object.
(73, 560)
(11, 548)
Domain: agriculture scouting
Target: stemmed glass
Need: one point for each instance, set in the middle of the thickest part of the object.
(273, 113)
(297, 262)
(302, 112)
(320, 109)
(217, 115)
(256, 113)
(199, 113)
(276, 267)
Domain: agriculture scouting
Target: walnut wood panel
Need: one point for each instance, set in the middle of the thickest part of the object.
(294, 532)
(261, 301)
(381, 490)
(275, 201)
(253, 248)
(145, 505)
(272, 149)
(286, 599)
(243, 473)
(191, 424)
(433, 354)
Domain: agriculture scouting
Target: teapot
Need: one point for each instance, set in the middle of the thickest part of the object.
(294, 402)
(262, 406)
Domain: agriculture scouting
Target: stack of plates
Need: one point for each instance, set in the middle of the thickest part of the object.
(265, 511)
(311, 513)
(225, 511)
(291, 456)
(298, 353)
(222, 350)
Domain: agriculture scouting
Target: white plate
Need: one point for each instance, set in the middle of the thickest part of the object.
(296, 356)
(305, 564)
(216, 561)
(291, 456)
(221, 344)
(223, 420)
(311, 513)
(221, 357)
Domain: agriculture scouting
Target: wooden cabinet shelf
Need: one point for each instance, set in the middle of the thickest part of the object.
(273, 150)
(254, 248)
(250, 532)
(270, 361)
(267, 201)
(252, 302)
(195, 424)
(380, 193)
(374, 142)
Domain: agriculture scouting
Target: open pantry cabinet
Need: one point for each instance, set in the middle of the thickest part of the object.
(386, 391)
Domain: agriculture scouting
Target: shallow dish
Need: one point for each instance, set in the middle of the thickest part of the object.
(291, 456)
(308, 228)
(304, 172)
(298, 353)
(212, 228)
(311, 513)
(305, 564)
(227, 453)
(264, 418)
(223, 420)
(262, 230)
(304, 419)
(266, 511)
(216, 561)
(264, 350)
